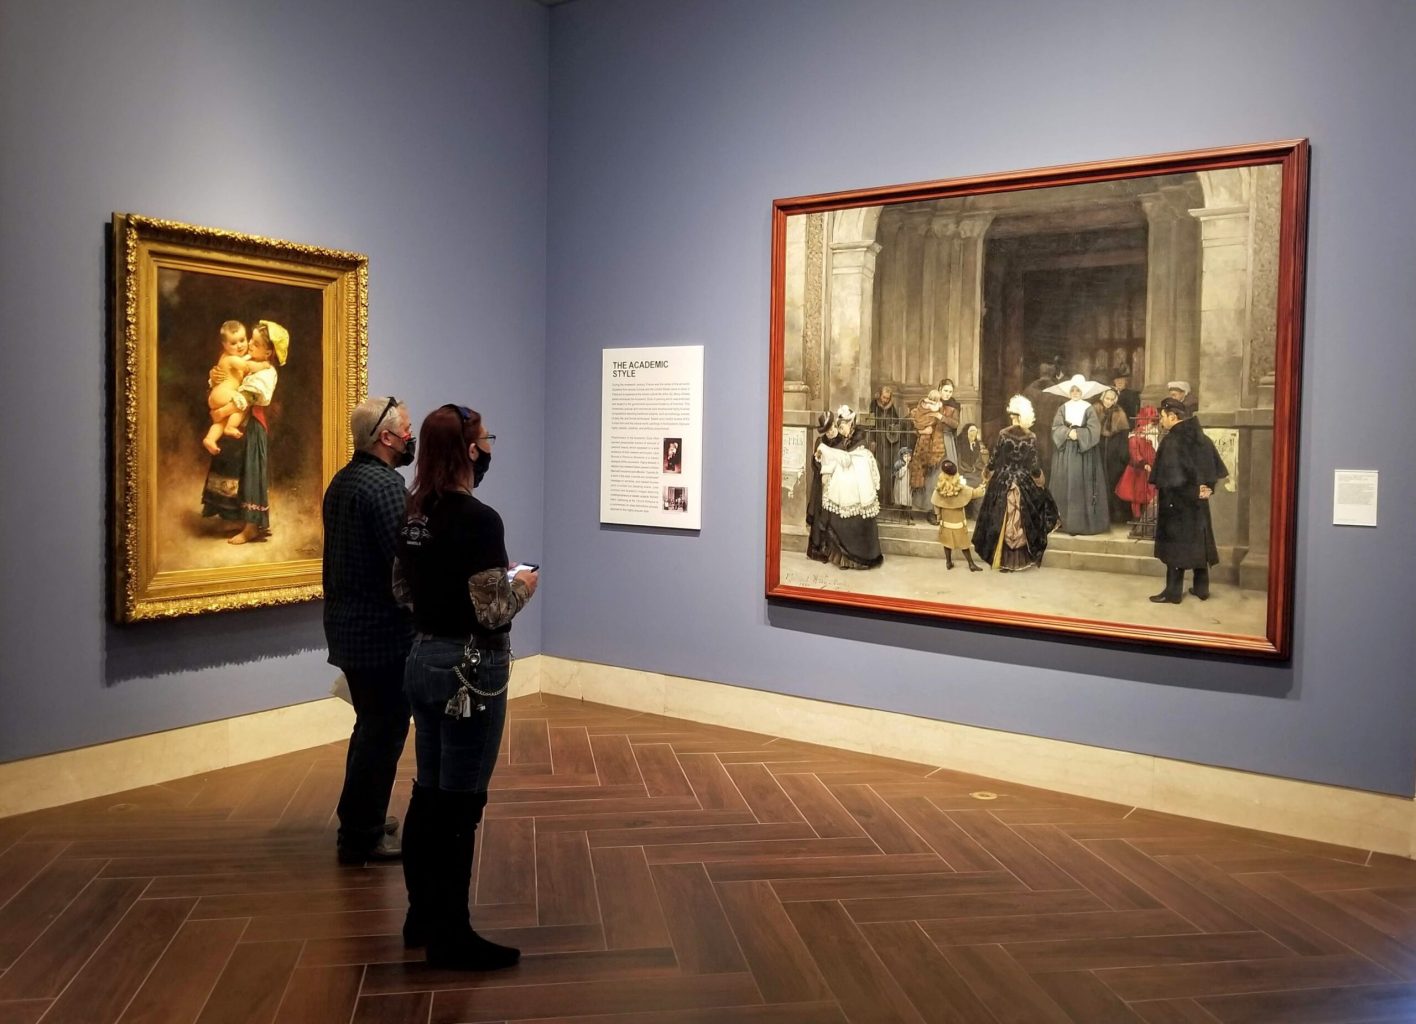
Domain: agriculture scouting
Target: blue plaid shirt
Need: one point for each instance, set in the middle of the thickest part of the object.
(363, 510)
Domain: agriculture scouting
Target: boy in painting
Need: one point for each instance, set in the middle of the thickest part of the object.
(901, 477)
(951, 495)
(231, 370)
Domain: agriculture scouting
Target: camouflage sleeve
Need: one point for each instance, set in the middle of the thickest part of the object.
(495, 598)
(402, 591)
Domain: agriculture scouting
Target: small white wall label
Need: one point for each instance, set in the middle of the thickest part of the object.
(1354, 497)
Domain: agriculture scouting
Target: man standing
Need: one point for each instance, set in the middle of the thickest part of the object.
(1034, 389)
(1180, 391)
(369, 634)
(1045, 406)
(1127, 397)
(890, 430)
(1187, 468)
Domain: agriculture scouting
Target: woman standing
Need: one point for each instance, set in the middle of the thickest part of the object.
(973, 457)
(844, 528)
(1017, 513)
(238, 483)
(1115, 428)
(1077, 482)
(451, 568)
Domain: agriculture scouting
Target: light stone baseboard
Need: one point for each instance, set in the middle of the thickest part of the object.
(1329, 814)
(525, 676)
(53, 779)
(49, 780)
(1366, 821)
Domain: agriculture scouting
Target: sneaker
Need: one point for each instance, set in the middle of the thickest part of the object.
(385, 850)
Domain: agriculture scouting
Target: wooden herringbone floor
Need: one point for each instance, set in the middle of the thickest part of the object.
(660, 872)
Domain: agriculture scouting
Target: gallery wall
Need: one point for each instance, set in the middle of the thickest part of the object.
(414, 133)
(419, 134)
(674, 125)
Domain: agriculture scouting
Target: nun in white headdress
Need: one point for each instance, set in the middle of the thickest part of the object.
(1078, 480)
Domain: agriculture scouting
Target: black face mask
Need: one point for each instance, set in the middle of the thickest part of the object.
(405, 457)
(479, 466)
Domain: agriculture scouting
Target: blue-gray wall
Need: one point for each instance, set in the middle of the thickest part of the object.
(674, 125)
(415, 133)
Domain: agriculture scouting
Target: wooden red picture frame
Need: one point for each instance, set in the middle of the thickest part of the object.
(1185, 267)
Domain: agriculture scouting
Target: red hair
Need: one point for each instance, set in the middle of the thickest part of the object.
(443, 463)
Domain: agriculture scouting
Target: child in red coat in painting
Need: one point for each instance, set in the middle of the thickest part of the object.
(1134, 485)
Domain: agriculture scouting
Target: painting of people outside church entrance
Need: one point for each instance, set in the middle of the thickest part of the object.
(238, 360)
(1061, 399)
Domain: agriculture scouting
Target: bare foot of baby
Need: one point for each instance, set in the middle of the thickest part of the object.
(211, 446)
(233, 432)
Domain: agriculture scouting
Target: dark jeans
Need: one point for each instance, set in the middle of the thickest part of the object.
(455, 754)
(380, 727)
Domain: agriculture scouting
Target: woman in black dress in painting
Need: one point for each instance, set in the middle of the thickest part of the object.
(845, 496)
(1017, 512)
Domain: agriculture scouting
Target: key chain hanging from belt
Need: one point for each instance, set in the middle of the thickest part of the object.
(460, 706)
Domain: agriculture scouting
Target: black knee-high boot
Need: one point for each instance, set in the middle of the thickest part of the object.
(1174, 591)
(453, 944)
(1201, 585)
(419, 864)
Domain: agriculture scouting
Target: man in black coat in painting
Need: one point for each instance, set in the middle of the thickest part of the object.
(1044, 408)
(1127, 397)
(1187, 468)
(892, 428)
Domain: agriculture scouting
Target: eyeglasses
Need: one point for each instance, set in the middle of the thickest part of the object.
(466, 414)
(391, 403)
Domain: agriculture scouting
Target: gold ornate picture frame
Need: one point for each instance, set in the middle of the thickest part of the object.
(237, 361)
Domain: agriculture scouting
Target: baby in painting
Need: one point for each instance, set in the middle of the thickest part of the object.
(231, 369)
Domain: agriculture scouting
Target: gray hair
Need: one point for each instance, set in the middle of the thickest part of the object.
(366, 415)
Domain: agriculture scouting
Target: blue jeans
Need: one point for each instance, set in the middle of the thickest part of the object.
(455, 754)
(380, 727)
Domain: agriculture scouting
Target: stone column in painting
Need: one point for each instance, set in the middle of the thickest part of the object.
(1239, 230)
(1224, 316)
(803, 288)
(892, 357)
(796, 394)
(956, 294)
(1172, 293)
(912, 277)
(852, 319)
(1224, 303)
(1239, 226)
(793, 304)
